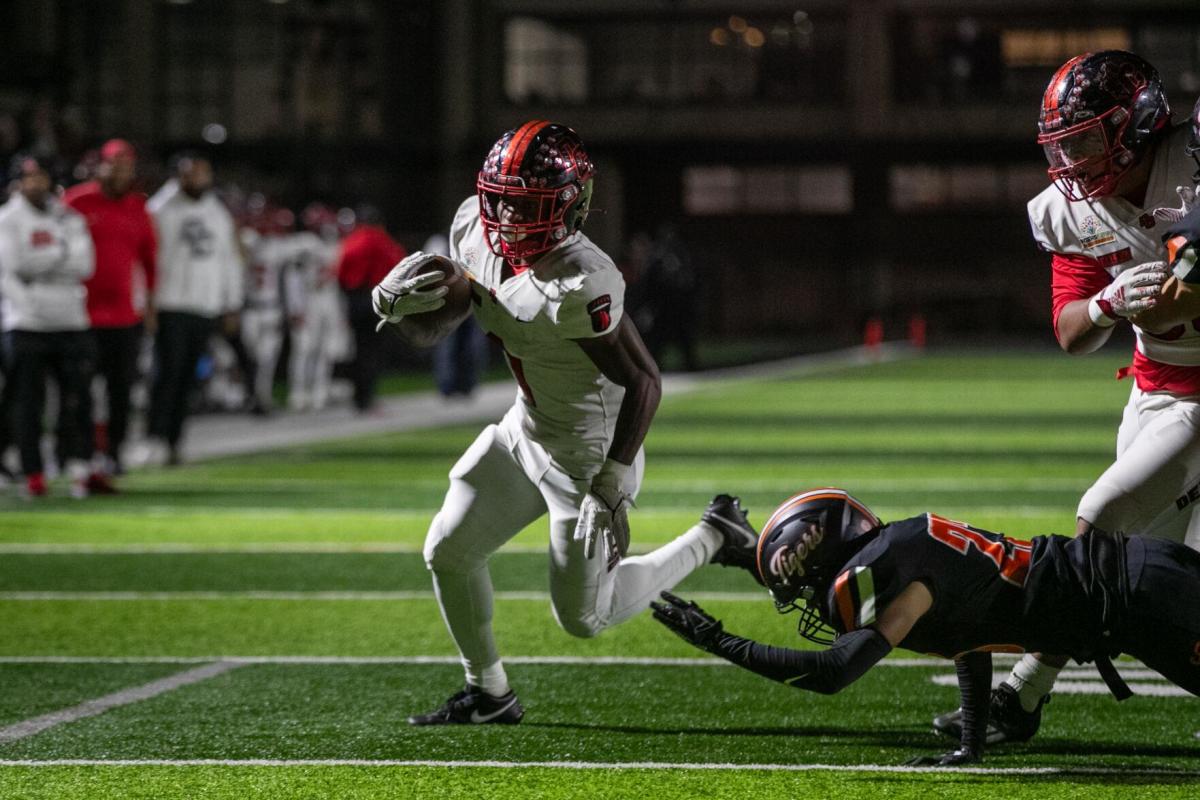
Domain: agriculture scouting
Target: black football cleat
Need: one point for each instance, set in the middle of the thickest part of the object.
(473, 706)
(1007, 720)
(740, 548)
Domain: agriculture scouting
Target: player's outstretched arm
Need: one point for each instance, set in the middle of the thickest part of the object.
(825, 671)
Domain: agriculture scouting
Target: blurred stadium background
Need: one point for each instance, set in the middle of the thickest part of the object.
(878, 152)
(824, 164)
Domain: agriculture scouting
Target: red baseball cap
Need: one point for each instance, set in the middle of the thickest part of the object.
(114, 149)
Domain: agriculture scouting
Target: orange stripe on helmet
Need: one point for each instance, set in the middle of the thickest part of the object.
(825, 493)
(1174, 245)
(845, 603)
(520, 143)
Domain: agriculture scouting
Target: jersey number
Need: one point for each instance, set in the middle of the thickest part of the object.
(1010, 556)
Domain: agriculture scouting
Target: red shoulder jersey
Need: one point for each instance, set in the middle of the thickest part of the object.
(366, 257)
(125, 243)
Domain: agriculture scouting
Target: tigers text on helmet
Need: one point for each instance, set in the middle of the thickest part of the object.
(1099, 115)
(534, 189)
(802, 548)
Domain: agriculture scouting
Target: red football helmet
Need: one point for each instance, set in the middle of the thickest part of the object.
(534, 189)
(1099, 114)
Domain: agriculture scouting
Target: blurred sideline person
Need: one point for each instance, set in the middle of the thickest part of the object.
(933, 585)
(1116, 162)
(367, 254)
(45, 257)
(316, 319)
(199, 284)
(458, 359)
(571, 445)
(267, 246)
(118, 293)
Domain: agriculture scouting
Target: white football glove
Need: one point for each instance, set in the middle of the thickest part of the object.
(603, 512)
(1132, 292)
(1187, 197)
(401, 292)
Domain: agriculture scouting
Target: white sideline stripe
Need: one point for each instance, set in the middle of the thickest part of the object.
(416, 594)
(99, 705)
(1088, 681)
(646, 661)
(604, 765)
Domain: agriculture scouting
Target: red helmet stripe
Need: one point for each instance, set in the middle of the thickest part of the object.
(1050, 99)
(520, 143)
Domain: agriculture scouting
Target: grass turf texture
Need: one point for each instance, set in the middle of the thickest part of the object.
(1007, 442)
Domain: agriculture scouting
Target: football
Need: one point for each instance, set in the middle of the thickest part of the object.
(425, 330)
(1178, 304)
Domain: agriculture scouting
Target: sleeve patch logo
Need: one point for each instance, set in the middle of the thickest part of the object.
(598, 310)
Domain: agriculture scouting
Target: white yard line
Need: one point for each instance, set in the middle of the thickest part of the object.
(599, 765)
(99, 705)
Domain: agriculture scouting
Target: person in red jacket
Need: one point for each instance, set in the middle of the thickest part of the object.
(118, 294)
(366, 257)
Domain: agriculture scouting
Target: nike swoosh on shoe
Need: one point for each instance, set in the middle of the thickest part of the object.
(478, 718)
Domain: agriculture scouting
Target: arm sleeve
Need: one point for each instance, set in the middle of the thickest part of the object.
(975, 685)
(824, 671)
(594, 308)
(80, 256)
(148, 253)
(234, 293)
(1073, 277)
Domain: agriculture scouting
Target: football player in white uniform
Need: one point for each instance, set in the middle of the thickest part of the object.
(1117, 165)
(267, 251)
(571, 445)
(319, 331)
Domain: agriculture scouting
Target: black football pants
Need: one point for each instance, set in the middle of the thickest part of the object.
(69, 358)
(1163, 624)
(178, 345)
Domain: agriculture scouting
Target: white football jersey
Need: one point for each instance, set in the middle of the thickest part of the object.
(1117, 235)
(267, 258)
(573, 292)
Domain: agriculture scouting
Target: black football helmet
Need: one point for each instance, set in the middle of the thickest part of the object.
(803, 547)
(1100, 113)
(534, 189)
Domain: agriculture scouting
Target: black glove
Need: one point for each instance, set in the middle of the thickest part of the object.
(688, 621)
(955, 758)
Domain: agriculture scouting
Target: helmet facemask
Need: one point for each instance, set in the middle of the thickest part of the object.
(521, 222)
(1087, 160)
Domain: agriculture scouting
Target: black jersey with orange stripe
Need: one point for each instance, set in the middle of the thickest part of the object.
(990, 592)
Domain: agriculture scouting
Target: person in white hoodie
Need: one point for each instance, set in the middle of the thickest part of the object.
(200, 283)
(45, 256)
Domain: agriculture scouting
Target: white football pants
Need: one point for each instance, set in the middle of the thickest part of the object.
(501, 484)
(262, 331)
(1152, 487)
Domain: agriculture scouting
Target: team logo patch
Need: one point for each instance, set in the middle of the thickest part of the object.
(1093, 234)
(41, 239)
(599, 311)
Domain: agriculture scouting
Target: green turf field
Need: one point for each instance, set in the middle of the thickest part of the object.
(298, 575)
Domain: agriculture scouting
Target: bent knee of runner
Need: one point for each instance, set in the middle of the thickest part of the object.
(443, 552)
(580, 623)
(1110, 509)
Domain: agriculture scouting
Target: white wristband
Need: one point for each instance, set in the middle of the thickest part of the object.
(1097, 316)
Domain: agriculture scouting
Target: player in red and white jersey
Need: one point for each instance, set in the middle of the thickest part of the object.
(1119, 168)
(571, 445)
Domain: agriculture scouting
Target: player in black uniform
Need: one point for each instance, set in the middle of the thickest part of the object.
(937, 586)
